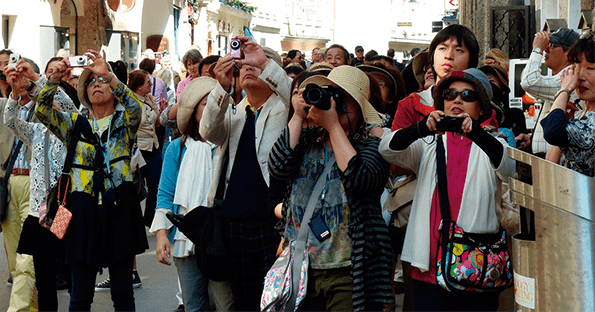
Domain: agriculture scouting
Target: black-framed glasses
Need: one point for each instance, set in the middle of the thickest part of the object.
(466, 95)
(98, 79)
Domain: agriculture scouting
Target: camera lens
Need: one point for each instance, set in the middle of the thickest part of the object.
(313, 96)
(81, 60)
(235, 44)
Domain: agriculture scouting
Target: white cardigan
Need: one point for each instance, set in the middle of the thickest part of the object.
(223, 126)
(480, 209)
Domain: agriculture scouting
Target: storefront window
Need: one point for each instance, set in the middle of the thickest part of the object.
(222, 47)
(62, 39)
(129, 49)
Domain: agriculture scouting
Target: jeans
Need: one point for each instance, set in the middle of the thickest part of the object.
(151, 172)
(83, 286)
(194, 284)
(431, 297)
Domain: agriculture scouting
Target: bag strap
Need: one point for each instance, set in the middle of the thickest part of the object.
(221, 186)
(442, 188)
(72, 146)
(46, 171)
(15, 151)
(302, 237)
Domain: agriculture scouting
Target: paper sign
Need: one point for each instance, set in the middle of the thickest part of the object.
(524, 291)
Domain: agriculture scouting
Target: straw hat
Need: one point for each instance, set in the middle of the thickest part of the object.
(81, 89)
(419, 62)
(377, 70)
(355, 82)
(193, 93)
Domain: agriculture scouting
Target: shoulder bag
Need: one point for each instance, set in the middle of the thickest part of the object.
(286, 283)
(202, 226)
(468, 261)
(54, 215)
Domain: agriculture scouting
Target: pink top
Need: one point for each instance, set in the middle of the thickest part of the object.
(457, 159)
(182, 85)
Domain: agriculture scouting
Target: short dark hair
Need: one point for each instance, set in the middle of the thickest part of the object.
(33, 64)
(136, 78)
(192, 55)
(369, 55)
(5, 51)
(120, 69)
(53, 59)
(586, 45)
(211, 59)
(335, 45)
(292, 53)
(147, 65)
(294, 69)
(464, 36)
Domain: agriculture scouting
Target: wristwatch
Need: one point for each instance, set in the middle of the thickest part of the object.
(537, 50)
(31, 87)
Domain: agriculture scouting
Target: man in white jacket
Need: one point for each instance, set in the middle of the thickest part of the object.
(246, 132)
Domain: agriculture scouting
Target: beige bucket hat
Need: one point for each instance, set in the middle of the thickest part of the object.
(355, 82)
(193, 93)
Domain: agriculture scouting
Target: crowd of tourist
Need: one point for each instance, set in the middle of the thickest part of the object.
(335, 157)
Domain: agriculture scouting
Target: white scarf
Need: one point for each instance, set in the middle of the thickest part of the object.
(195, 175)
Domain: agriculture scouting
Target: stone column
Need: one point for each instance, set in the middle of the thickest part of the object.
(92, 26)
(475, 14)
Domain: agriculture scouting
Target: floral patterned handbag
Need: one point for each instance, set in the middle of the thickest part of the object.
(473, 262)
(468, 261)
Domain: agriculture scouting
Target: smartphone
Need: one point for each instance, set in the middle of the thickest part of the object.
(13, 60)
(78, 60)
(235, 45)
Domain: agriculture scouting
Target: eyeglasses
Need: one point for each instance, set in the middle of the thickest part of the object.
(98, 79)
(588, 35)
(381, 84)
(466, 95)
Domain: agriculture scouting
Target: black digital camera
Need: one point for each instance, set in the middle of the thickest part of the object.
(320, 96)
(450, 124)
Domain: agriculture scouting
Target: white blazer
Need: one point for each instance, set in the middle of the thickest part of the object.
(223, 126)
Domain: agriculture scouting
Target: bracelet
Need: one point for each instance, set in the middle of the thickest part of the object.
(560, 92)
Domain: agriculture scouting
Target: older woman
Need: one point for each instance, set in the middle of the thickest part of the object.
(191, 61)
(140, 82)
(475, 163)
(575, 137)
(106, 229)
(344, 269)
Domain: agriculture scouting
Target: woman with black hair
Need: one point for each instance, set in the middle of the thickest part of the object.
(575, 137)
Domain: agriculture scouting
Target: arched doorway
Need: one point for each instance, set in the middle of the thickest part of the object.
(66, 32)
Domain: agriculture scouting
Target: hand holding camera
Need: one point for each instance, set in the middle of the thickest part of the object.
(438, 122)
(253, 54)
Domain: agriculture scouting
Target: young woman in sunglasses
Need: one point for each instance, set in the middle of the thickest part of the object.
(475, 164)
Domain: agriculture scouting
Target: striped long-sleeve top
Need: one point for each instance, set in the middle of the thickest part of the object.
(350, 207)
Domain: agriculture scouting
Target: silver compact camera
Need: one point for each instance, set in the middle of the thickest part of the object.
(78, 60)
(13, 60)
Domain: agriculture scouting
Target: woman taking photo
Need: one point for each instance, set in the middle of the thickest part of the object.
(191, 160)
(139, 81)
(475, 164)
(106, 229)
(575, 137)
(345, 272)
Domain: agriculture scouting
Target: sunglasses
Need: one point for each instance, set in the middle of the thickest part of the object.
(98, 79)
(466, 95)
